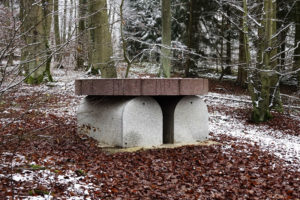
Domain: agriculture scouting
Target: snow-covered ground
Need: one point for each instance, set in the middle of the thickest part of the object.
(74, 182)
(284, 146)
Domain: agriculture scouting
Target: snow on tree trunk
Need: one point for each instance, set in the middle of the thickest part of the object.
(264, 81)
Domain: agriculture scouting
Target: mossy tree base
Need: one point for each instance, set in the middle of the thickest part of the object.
(261, 115)
(108, 71)
(36, 56)
(45, 77)
(266, 97)
(95, 71)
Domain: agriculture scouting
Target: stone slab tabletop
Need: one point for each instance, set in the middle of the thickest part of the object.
(141, 87)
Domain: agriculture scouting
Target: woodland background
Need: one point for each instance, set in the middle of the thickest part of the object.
(257, 42)
(249, 51)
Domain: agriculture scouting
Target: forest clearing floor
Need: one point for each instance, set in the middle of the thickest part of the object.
(43, 157)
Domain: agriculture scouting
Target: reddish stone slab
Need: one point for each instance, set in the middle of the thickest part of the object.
(78, 87)
(191, 86)
(87, 87)
(132, 87)
(205, 86)
(141, 87)
(118, 87)
(105, 87)
(167, 87)
(148, 87)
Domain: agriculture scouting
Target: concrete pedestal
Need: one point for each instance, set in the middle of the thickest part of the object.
(190, 120)
(121, 121)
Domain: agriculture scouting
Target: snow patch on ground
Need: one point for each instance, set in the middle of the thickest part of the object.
(284, 146)
(216, 99)
(16, 160)
(217, 76)
(75, 184)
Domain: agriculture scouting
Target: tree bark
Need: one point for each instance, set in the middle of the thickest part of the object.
(243, 43)
(166, 39)
(57, 56)
(222, 48)
(297, 42)
(190, 31)
(5, 3)
(281, 48)
(124, 42)
(265, 89)
(36, 55)
(227, 70)
(71, 12)
(100, 38)
(64, 24)
(282, 39)
(81, 55)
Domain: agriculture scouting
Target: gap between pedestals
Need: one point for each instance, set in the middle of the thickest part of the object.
(168, 105)
(185, 119)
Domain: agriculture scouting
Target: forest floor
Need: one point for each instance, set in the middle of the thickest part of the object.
(43, 157)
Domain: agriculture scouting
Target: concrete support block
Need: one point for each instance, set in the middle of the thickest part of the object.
(121, 121)
(185, 119)
(190, 120)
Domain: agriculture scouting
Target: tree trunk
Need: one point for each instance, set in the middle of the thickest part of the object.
(71, 17)
(265, 89)
(242, 69)
(297, 42)
(36, 54)
(56, 32)
(282, 30)
(9, 54)
(100, 39)
(227, 70)
(281, 48)
(124, 42)
(81, 55)
(222, 49)
(190, 32)
(166, 39)
(259, 45)
(64, 24)
(5, 3)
